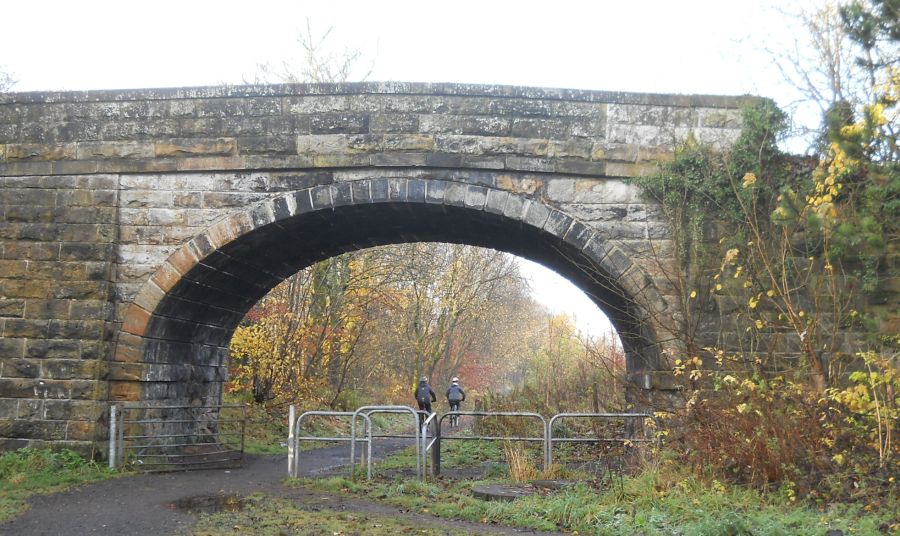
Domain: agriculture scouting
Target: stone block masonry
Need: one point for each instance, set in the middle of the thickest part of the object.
(138, 226)
(57, 263)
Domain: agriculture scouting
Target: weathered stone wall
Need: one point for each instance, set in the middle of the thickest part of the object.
(58, 244)
(99, 189)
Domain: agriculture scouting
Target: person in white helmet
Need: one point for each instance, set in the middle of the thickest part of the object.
(455, 395)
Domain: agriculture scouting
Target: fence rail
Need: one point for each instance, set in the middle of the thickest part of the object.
(595, 416)
(435, 422)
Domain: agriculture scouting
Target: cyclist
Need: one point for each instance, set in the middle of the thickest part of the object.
(455, 395)
(424, 396)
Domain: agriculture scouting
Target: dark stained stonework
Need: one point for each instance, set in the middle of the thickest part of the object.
(139, 226)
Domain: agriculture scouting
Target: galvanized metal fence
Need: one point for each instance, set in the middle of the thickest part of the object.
(370, 410)
(429, 426)
(440, 437)
(172, 438)
(167, 438)
(627, 435)
(295, 437)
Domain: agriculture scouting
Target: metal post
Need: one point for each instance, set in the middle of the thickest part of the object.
(424, 450)
(292, 441)
(120, 439)
(436, 450)
(548, 445)
(353, 446)
(369, 447)
(112, 436)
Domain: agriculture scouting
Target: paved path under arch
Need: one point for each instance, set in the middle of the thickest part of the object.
(142, 505)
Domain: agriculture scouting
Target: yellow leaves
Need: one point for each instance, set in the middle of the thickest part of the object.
(682, 366)
(749, 180)
(730, 255)
(693, 294)
(770, 293)
(718, 287)
(838, 458)
(876, 114)
(753, 302)
(852, 131)
(759, 324)
(720, 357)
(743, 408)
(857, 398)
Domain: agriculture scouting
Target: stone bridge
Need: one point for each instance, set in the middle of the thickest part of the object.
(139, 226)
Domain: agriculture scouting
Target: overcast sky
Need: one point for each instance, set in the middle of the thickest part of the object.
(659, 46)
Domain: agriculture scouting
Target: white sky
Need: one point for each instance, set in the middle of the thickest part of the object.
(659, 46)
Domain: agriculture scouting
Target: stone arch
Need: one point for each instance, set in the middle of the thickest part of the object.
(173, 342)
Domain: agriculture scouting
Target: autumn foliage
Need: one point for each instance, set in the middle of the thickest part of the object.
(363, 327)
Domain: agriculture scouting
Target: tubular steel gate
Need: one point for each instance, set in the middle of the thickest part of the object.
(176, 438)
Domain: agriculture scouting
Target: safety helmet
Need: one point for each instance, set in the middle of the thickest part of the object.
(454, 380)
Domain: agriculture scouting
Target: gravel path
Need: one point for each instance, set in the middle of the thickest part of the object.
(144, 504)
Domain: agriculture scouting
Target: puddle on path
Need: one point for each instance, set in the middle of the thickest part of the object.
(209, 504)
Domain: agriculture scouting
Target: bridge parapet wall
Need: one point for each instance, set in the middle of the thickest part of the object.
(348, 125)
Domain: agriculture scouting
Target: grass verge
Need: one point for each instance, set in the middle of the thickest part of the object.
(265, 516)
(29, 471)
(667, 500)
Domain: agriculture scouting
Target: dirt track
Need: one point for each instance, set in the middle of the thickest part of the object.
(144, 504)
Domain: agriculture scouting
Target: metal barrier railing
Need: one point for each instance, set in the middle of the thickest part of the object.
(435, 420)
(170, 438)
(560, 416)
(294, 437)
(440, 437)
(369, 410)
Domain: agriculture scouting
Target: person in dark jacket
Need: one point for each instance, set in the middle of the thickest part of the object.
(424, 396)
(455, 395)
